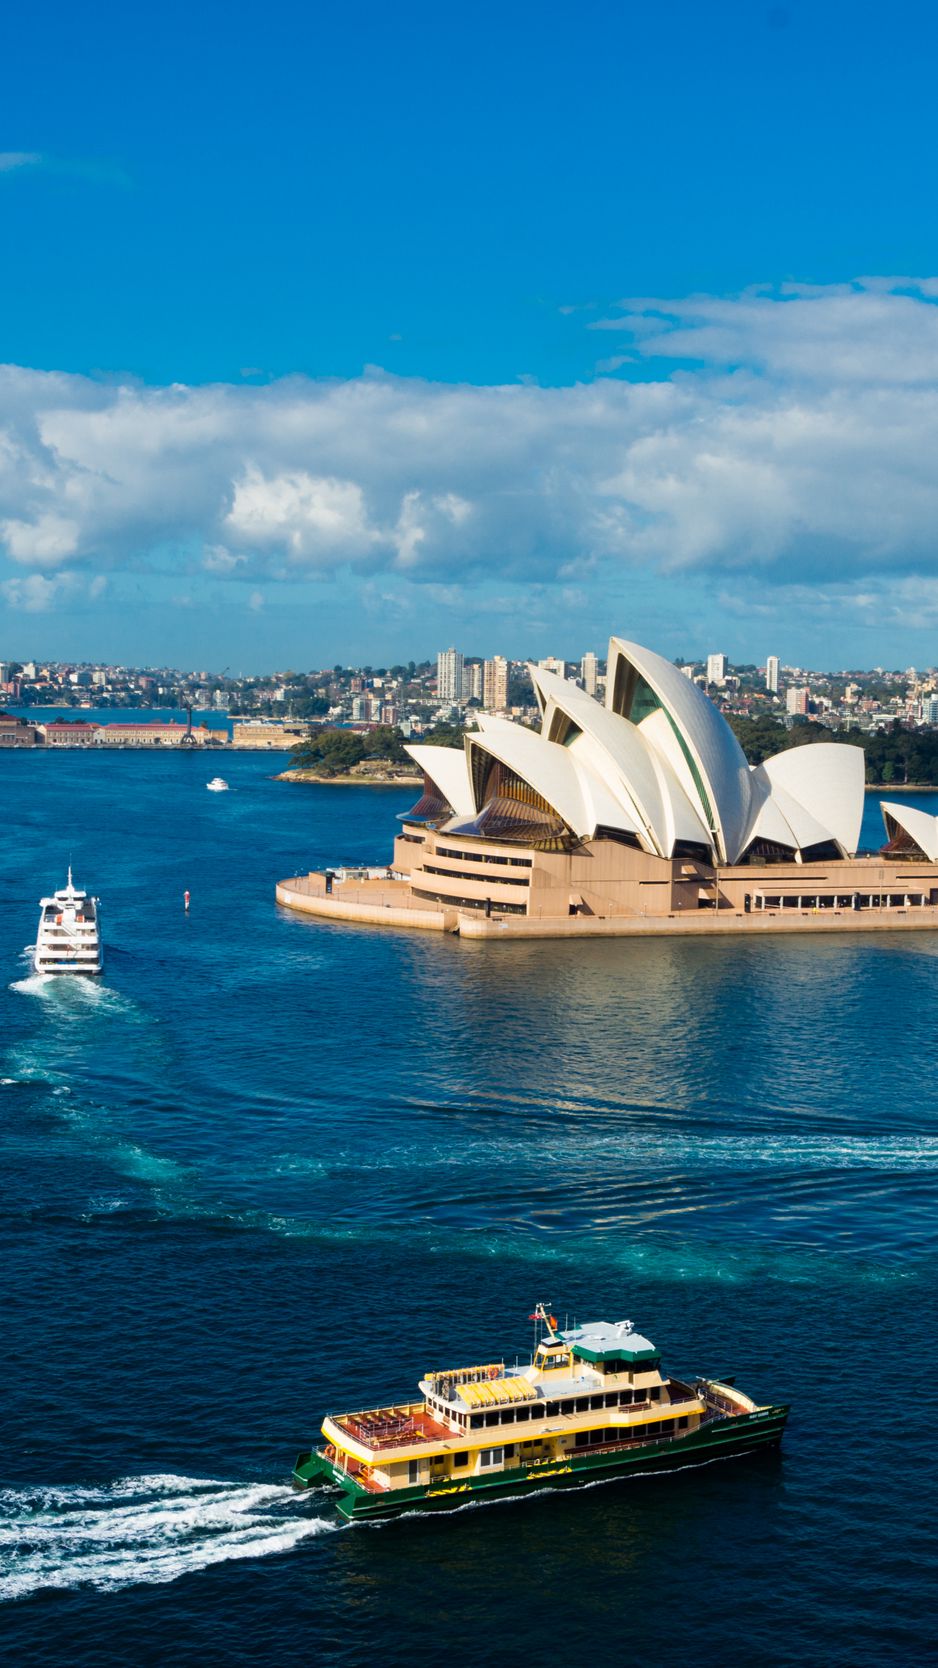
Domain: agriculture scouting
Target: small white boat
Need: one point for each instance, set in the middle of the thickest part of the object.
(69, 937)
(217, 785)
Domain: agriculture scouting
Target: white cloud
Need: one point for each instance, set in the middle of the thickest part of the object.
(45, 542)
(792, 435)
(35, 594)
(10, 160)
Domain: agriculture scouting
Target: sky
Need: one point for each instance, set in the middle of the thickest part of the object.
(349, 332)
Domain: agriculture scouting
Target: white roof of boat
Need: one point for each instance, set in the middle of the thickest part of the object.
(607, 1335)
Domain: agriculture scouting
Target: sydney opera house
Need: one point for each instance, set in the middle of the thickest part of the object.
(639, 815)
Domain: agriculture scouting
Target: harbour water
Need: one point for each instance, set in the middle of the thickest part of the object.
(268, 1166)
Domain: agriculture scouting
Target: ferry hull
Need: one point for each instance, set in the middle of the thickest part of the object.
(718, 1439)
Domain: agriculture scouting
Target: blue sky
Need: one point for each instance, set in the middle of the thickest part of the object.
(346, 332)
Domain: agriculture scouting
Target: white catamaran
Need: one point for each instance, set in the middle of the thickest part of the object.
(69, 937)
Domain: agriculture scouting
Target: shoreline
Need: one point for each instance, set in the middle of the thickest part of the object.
(309, 778)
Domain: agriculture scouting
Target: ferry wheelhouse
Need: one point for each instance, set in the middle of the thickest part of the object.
(69, 936)
(593, 1403)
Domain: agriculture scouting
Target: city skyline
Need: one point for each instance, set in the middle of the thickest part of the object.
(258, 421)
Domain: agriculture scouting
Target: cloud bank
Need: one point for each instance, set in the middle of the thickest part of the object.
(785, 436)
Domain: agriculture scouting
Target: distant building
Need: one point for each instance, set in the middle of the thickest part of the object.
(156, 734)
(68, 732)
(473, 681)
(268, 733)
(928, 709)
(796, 700)
(449, 670)
(15, 732)
(495, 684)
(716, 668)
(552, 664)
(589, 672)
(771, 674)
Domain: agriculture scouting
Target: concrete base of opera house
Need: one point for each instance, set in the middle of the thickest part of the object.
(389, 902)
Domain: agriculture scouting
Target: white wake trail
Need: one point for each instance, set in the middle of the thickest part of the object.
(143, 1529)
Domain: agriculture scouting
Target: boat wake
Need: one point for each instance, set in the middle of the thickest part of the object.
(142, 1529)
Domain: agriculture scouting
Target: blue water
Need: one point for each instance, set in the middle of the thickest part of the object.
(269, 1166)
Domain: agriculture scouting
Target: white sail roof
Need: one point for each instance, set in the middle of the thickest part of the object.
(825, 778)
(921, 827)
(715, 761)
(448, 770)
(660, 763)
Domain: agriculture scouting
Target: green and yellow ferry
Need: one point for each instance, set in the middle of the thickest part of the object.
(592, 1404)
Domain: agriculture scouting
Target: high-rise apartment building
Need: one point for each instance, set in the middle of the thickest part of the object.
(796, 700)
(472, 681)
(589, 673)
(716, 668)
(552, 664)
(771, 674)
(449, 668)
(495, 685)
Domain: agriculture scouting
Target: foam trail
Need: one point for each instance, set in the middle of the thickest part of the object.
(142, 1529)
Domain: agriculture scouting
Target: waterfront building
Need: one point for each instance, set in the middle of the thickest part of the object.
(589, 672)
(495, 684)
(70, 732)
(638, 815)
(15, 732)
(449, 670)
(268, 733)
(716, 669)
(771, 674)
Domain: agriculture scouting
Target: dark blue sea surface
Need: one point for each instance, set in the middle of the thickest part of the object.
(269, 1166)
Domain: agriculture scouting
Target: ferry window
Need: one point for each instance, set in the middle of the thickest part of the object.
(538, 1411)
(509, 1450)
(625, 1396)
(683, 1421)
(508, 1417)
(655, 1392)
(491, 1456)
(610, 1434)
(413, 1471)
(492, 1418)
(523, 1413)
(613, 1400)
(460, 1459)
(476, 1421)
(583, 1437)
(582, 1403)
(597, 1401)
